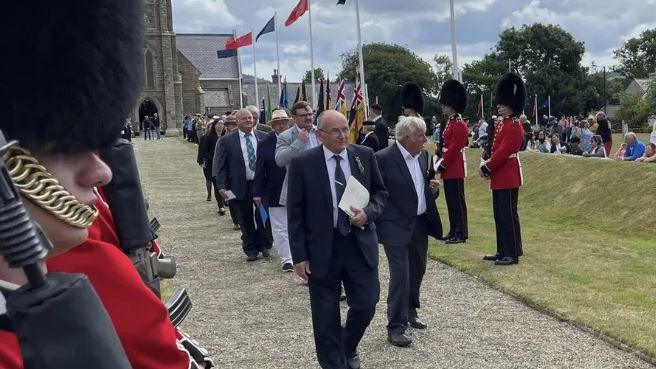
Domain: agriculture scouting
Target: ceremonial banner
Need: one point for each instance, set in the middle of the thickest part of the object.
(297, 12)
(356, 116)
(320, 103)
(242, 41)
(222, 54)
(341, 98)
(268, 28)
(283, 103)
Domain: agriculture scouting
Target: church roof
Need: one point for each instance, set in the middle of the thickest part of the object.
(201, 49)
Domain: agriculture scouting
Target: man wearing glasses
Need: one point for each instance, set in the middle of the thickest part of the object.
(300, 137)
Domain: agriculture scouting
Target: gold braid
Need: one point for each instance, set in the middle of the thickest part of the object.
(38, 185)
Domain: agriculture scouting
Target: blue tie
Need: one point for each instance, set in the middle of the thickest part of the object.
(250, 151)
(343, 224)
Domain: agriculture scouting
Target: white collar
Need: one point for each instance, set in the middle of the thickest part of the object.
(375, 119)
(242, 134)
(405, 152)
(329, 154)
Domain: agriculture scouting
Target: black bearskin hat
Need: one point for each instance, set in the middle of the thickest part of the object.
(453, 94)
(510, 91)
(412, 97)
(71, 74)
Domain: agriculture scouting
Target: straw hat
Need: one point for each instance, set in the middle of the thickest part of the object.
(279, 115)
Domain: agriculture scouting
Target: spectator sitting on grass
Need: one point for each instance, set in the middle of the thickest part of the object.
(597, 149)
(634, 148)
(593, 124)
(542, 145)
(619, 154)
(650, 154)
(652, 138)
(575, 146)
(557, 147)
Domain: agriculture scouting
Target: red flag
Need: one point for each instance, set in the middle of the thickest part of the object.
(298, 12)
(242, 41)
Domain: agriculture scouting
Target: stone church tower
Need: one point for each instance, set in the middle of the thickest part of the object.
(162, 87)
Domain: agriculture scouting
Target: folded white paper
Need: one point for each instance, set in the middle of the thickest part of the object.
(230, 195)
(355, 195)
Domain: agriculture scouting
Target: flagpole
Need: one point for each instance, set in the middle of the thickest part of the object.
(361, 57)
(257, 100)
(275, 24)
(537, 112)
(454, 51)
(314, 99)
(549, 99)
(241, 91)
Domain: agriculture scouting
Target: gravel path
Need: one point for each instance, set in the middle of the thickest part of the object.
(254, 316)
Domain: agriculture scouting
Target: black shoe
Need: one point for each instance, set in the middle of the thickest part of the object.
(493, 257)
(353, 361)
(221, 211)
(287, 267)
(236, 227)
(251, 258)
(416, 323)
(506, 261)
(265, 253)
(399, 339)
(453, 240)
(208, 199)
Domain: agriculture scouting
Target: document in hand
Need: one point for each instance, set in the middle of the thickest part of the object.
(355, 195)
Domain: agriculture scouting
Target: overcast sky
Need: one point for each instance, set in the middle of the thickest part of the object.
(420, 25)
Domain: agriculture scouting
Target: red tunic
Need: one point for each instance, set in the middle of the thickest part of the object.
(139, 316)
(504, 167)
(455, 139)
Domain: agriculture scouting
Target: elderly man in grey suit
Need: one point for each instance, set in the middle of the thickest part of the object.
(300, 137)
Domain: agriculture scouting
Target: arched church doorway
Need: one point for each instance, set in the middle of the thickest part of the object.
(147, 108)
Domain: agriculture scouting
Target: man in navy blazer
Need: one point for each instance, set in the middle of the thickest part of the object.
(236, 164)
(328, 247)
(269, 178)
(409, 217)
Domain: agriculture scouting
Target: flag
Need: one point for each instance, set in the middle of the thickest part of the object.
(298, 94)
(269, 109)
(303, 93)
(327, 104)
(341, 2)
(283, 103)
(341, 97)
(479, 109)
(320, 104)
(242, 41)
(268, 28)
(262, 112)
(297, 12)
(545, 104)
(222, 54)
(356, 116)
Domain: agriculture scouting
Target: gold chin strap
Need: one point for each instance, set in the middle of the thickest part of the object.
(35, 183)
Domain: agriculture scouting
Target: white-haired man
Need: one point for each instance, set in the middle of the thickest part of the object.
(634, 148)
(408, 218)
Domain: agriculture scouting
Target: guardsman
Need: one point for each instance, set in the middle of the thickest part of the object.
(412, 100)
(453, 164)
(504, 169)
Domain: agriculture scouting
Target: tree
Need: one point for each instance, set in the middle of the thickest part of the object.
(638, 56)
(387, 67)
(548, 59)
(636, 110)
(318, 74)
(443, 68)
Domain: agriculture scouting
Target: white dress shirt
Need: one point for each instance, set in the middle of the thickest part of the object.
(331, 165)
(250, 174)
(417, 177)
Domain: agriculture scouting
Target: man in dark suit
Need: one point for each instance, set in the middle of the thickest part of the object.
(236, 164)
(269, 178)
(368, 136)
(380, 125)
(329, 248)
(410, 216)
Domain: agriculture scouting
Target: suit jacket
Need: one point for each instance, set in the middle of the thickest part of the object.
(382, 132)
(369, 140)
(229, 163)
(268, 175)
(310, 207)
(454, 138)
(287, 148)
(503, 166)
(397, 222)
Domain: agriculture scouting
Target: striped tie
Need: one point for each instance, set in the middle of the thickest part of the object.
(250, 150)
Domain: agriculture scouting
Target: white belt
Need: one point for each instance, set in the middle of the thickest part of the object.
(436, 162)
(521, 173)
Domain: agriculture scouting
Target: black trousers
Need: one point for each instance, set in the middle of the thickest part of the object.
(147, 134)
(347, 265)
(234, 211)
(506, 220)
(407, 266)
(454, 194)
(252, 229)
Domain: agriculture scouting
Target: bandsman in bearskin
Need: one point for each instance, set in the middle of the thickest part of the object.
(453, 164)
(504, 169)
(412, 100)
(86, 57)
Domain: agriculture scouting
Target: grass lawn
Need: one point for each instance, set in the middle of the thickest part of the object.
(588, 229)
